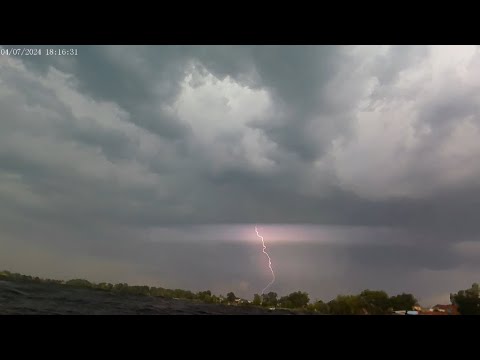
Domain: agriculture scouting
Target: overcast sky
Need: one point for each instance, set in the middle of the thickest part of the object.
(152, 164)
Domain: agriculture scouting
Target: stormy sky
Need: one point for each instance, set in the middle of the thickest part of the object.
(152, 165)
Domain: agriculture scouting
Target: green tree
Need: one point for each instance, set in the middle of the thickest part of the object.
(270, 299)
(138, 290)
(375, 302)
(158, 291)
(121, 288)
(102, 286)
(295, 300)
(257, 300)
(320, 307)
(80, 283)
(403, 302)
(284, 302)
(346, 305)
(205, 296)
(183, 294)
(231, 297)
(468, 301)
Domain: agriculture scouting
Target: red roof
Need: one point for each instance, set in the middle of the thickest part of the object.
(449, 309)
(432, 313)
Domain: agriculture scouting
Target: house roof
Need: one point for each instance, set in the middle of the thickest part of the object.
(441, 310)
(432, 313)
(452, 309)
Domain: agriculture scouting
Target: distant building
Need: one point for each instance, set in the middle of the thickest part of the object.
(431, 312)
(448, 309)
(441, 310)
(435, 310)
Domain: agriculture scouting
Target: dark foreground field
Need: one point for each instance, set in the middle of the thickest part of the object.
(51, 299)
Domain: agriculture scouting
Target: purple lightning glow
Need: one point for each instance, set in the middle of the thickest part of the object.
(269, 262)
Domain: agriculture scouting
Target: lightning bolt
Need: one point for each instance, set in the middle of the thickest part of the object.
(269, 261)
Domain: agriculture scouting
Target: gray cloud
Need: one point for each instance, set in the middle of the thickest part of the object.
(97, 149)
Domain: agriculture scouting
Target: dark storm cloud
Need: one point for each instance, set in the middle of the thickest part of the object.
(294, 74)
(129, 76)
(95, 149)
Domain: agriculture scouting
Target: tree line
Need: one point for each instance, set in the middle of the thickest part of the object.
(468, 301)
(367, 302)
(373, 302)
